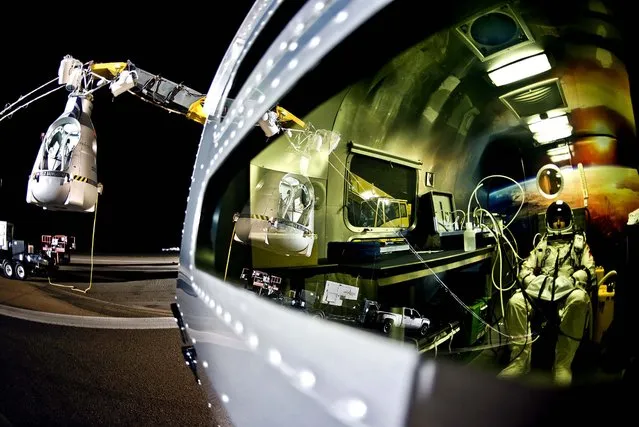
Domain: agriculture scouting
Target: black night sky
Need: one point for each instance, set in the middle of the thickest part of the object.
(145, 154)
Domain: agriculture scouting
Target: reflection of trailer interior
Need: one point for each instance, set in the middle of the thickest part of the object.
(58, 247)
(343, 239)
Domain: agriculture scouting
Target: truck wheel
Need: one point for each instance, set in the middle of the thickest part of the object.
(423, 330)
(20, 271)
(388, 326)
(7, 269)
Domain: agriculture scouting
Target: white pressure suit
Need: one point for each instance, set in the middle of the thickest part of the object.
(560, 269)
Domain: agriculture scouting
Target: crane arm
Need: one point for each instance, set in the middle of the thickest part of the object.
(164, 92)
(123, 77)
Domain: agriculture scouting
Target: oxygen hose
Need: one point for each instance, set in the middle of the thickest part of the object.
(481, 183)
(73, 288)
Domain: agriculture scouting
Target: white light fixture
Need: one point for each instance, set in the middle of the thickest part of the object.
(558, 151)
(560, 158)
(553, 135)
(547, 115)
(559, 154)
(551, 129)
(549, 124)
(520, 70)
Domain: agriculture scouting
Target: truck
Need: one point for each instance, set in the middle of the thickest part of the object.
(405, 318)
(58, 247)
(16, 258)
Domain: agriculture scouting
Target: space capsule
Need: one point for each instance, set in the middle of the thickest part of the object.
(282, 215)
(64, 174)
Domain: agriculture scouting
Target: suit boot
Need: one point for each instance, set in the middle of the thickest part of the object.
(574, 316)
(517, 326)
(564, 355)
(519, 361)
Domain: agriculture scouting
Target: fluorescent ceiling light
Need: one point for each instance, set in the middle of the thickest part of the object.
(548, 114)
(560, 158)
(553, 135)
(519, 70)
(551, 129)
(558, 151)
(549, 125)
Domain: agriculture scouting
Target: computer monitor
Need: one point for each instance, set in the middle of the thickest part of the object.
(437, 212)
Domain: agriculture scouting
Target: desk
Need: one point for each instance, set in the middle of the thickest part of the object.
(393, 268)
(397, 268)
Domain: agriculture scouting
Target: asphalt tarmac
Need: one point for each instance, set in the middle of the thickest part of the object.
(76, 352)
